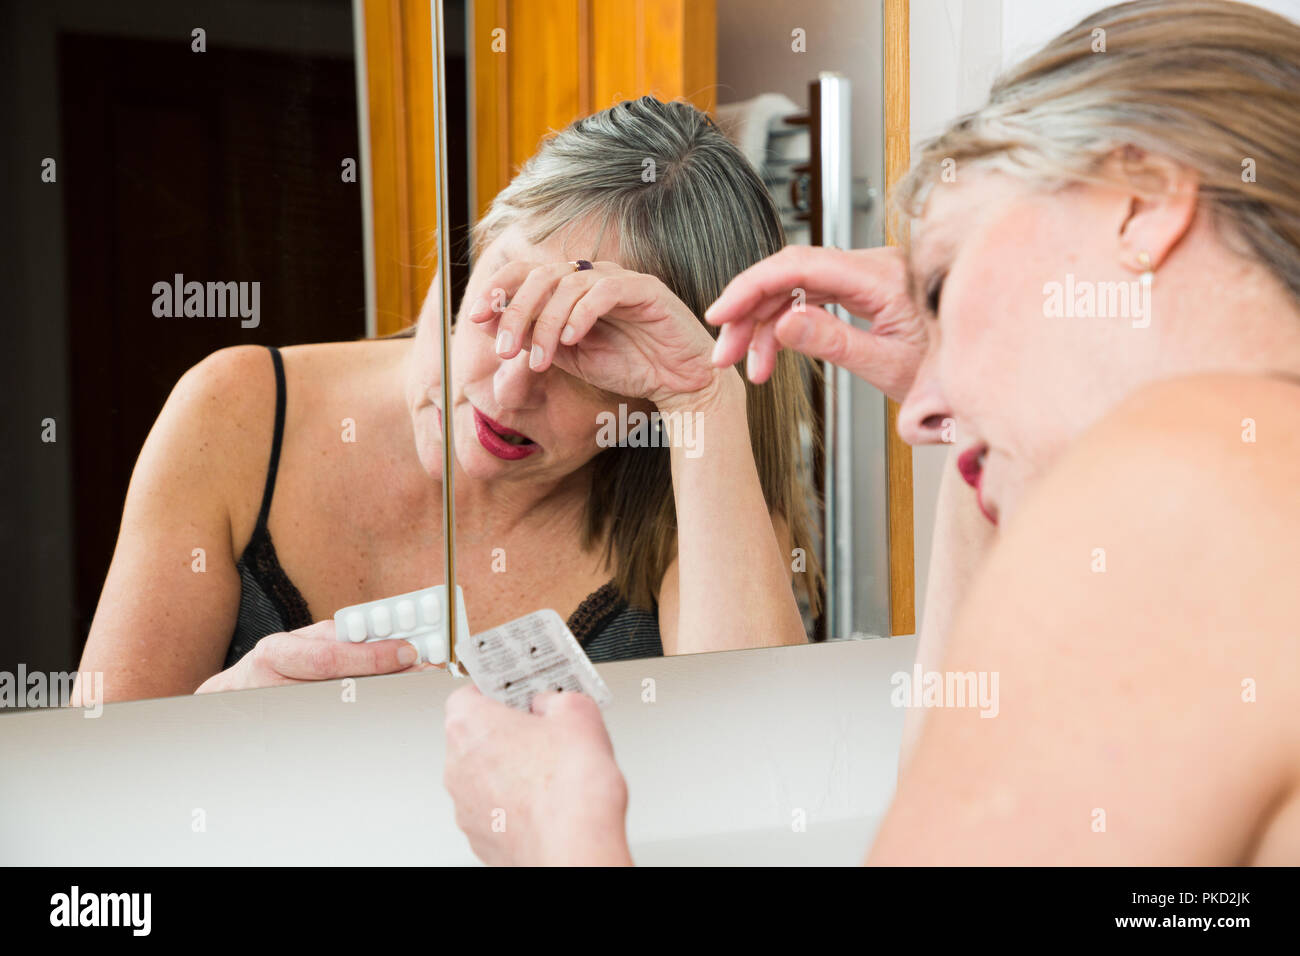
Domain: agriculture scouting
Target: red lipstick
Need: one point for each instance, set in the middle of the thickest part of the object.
(492, 436)
(971, 465)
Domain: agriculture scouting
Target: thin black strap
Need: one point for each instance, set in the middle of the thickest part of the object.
(275, 441)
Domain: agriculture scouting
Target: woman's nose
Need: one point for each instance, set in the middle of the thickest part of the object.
(925, 418)
(516, 386)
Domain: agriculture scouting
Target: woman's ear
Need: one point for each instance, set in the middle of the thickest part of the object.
(1163, 197)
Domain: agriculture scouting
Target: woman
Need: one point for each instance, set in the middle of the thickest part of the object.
(1135, 473)
(278, 487)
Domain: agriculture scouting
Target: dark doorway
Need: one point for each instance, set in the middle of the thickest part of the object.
(222, 166)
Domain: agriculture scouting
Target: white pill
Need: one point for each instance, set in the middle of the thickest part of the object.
(405, 615)
(435, 648)
(430, 613)
(381, 621)
(356, 627)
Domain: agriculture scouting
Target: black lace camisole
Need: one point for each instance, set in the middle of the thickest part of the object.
(608, 628)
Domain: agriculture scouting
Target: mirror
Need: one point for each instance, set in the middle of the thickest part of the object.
(214, 180)
(599, 477)
(224, 177)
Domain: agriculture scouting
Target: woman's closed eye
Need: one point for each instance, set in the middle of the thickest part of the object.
(933, 292)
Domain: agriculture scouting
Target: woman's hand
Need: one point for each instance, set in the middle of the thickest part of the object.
(535, 789)
(311, 654)
(620, 331)
(776, 304)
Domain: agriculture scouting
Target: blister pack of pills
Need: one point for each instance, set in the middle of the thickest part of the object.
(527, 656)
(418, 616)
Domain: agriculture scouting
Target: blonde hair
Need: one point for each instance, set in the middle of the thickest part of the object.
(702, 216)
(1210, 84)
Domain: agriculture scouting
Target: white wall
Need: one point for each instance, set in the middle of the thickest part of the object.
(1028, 24)
(843, 36)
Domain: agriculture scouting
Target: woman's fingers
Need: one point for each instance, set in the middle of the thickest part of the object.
(777, 303)
(291, 657)
(761, 359)
(470, 718)
(321, 630)
(597, 295)
(813, 331)
(864, 281)
(820, 335)
(311, 654)
(577, 325)
(605, 295)
(549, 332)
(501, 286)
(736, 336)
(888, 364)
(540, 304)
(526, 300)
(518, 315)
(733, 342)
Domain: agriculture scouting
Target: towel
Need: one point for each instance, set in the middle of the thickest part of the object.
(749, 122)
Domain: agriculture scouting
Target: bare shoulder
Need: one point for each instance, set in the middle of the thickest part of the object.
(1137, 615)
(211, 440)
(231, 394)
(226, 404)
(1184, 496)
(326, 362)
(1251, 414)
(1206, 460)
(219, 409)
(323, 375)
(207, 449)
(226, 393)
(1198, 476)
(329, 381)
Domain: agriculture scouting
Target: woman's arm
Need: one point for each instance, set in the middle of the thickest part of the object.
(165, 616)
(626, 333)
(962, 537)
(730, 586)
(168, 608)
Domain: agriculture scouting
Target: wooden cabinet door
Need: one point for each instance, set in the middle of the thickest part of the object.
(535, 66)
(540, 64)
(400, 113)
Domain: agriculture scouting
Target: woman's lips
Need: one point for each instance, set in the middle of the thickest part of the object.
(492, 435)
(971, 465)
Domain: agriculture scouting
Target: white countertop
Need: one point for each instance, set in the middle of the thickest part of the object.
(736, 746)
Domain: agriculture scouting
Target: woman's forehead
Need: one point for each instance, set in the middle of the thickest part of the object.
(578, 240)
(930, 239)
(953, 209)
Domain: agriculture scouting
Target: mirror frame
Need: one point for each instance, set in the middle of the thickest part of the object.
(898, 454)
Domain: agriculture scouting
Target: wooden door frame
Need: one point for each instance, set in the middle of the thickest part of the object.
(898, 454)
(401, 174)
